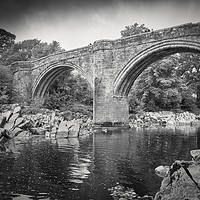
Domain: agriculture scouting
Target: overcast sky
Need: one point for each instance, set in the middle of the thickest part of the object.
(76, 23)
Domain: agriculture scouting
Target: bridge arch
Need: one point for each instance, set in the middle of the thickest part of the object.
(129, 73)
(45, 79)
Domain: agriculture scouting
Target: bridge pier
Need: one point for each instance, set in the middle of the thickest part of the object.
(22, 80)
(113, 109)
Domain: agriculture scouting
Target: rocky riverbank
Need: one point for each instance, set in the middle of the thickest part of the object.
(163, 118)
(17, 122)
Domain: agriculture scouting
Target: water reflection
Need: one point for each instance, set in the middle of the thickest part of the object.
(85, 168)
(198, 138)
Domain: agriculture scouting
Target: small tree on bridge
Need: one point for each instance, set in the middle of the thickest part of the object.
(134, 30)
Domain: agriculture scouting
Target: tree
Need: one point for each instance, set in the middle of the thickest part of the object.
(189, 69)
(30, 50)
(134, 30)
(160, 88)
(6, 40)
(6, 88)
(69, 89)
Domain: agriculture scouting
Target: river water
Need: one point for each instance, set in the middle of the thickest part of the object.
(84, 168)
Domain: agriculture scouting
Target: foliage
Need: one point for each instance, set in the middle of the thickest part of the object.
(189, 69)
(6, 40)
(160, 87)
(29, 50)
(134, 30)
(69, 89)
(6, 89)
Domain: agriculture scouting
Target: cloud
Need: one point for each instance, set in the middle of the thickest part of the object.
(75, 23)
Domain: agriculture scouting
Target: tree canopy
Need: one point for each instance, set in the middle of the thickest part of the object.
(134, 30)
(6, 40)
(168, 84)
(29, 50)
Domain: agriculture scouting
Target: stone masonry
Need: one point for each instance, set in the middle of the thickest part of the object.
(109, 66)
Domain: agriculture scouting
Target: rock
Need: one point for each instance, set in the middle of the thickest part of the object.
(70, 123)
(53, 130)
(47, 134)
(162, 171)
(2, 122)
(62, 127)
(74, 129)
(179, 185)
(8, 114)
(37, 130)
(24, 134)
(15, 132)
(195, 154)
(1, 119)
(17, 110)
(53, 117)
(19, 121)
(22, 125)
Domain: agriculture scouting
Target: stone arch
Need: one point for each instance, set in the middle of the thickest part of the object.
(43, 82)
(126, 77)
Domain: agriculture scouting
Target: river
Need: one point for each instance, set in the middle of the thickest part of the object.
(84, 168)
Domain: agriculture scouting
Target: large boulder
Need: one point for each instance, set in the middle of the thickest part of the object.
(62, 131)
(181, 183)
(74, 128)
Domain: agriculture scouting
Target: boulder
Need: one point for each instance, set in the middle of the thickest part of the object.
(195, 155)
(8, 114)
(183, 182)
(162, 171)
(15, 132)
(23, 134)
(37, 130)
(11, 123)
(74, 129)
(62, 127)
(17, 110)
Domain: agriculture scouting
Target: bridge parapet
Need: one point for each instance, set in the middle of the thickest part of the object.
(185, 30)
(66, 55)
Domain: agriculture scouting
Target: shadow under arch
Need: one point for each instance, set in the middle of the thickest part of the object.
(126, 77)
(46, 78)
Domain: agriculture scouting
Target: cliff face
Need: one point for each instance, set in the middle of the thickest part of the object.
(182, 182)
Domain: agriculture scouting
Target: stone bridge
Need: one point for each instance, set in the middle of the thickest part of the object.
(109, 66)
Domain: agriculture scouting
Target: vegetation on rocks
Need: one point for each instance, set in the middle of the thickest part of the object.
(119, 192)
